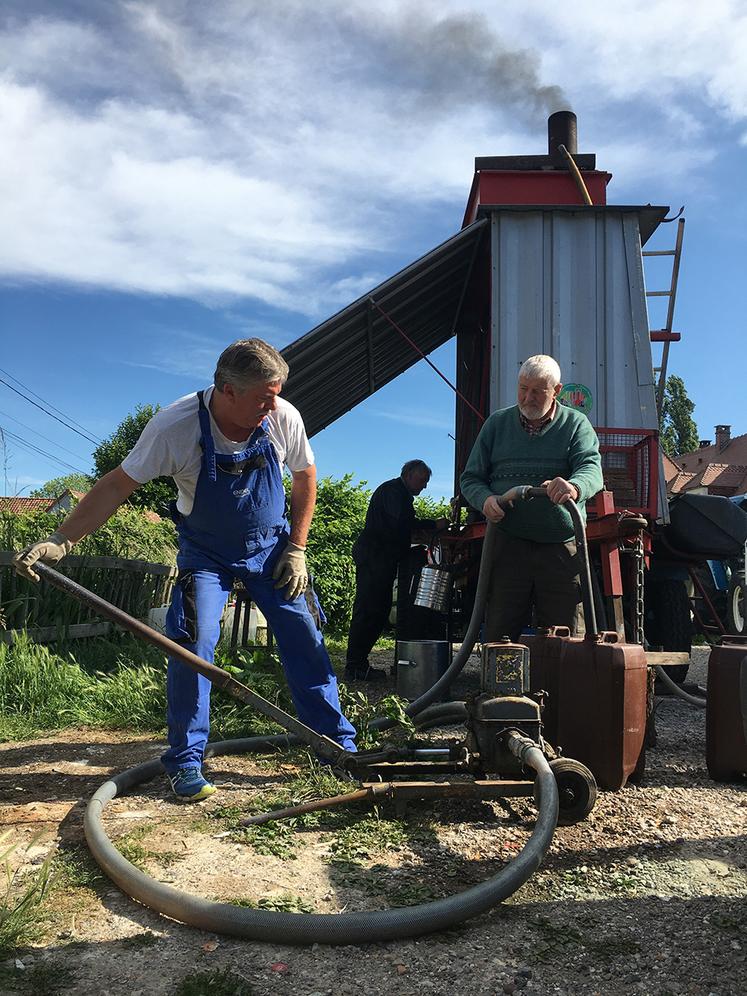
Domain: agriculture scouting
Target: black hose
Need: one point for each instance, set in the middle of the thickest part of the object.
(441, 714)
(673, 687)
(520, 493)
(327, 928)
(470, 638)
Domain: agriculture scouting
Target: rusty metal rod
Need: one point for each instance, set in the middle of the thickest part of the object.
(221, 679)
(371, 791)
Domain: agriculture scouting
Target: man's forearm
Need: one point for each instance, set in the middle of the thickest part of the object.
(302, 504)
(98, 505)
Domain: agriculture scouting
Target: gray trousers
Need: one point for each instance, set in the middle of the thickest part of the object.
(526, 574)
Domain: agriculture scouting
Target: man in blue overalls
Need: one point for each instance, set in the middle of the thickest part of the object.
(225, 447)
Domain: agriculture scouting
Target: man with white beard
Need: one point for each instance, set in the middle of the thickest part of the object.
(537, 442)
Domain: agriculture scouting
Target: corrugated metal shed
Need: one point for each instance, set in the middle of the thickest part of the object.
(569, 283)
(345, 359)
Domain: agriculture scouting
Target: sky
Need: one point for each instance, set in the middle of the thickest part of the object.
(177, 175)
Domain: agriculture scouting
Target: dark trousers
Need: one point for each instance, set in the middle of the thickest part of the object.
(526, 574)
(374, 580)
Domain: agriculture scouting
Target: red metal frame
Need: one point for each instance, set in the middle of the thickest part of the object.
(635, 451)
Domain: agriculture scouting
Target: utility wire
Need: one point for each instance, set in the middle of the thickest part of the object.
(36, 449)
(49, 404)
(42, 436)
(66, 424)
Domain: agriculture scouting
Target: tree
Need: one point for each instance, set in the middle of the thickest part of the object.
(679, 433)
(155, 494)
(58, 485)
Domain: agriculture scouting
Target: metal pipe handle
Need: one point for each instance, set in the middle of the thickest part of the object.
(220, 678)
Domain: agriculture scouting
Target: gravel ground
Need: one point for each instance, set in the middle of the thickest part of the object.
(646, 896)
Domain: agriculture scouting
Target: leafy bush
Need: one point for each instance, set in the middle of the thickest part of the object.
(127, 534)
(432, 508)
(338, 518)
(156, 494)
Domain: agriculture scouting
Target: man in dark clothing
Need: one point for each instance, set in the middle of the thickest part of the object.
(384, 540)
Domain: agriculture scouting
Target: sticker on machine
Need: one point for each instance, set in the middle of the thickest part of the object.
(576, 396)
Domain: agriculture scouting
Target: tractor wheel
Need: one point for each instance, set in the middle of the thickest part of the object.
(735, 605)
(577, 790)
(670, 607)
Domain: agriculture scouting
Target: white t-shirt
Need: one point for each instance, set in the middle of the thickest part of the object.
(170, 445)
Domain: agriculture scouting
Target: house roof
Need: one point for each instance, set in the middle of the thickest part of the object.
(18, 505)
(682, 482)
(671, 468)
(735, 452)
(725, 475)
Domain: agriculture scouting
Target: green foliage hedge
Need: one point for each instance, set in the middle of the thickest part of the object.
(127, 534)
(339, 517)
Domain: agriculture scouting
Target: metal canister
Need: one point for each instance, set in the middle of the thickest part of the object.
(420, 663)
(433, 589)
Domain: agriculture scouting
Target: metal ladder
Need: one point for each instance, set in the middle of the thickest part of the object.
(666, 335)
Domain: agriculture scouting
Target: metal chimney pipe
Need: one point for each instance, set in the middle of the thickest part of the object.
(562, 130)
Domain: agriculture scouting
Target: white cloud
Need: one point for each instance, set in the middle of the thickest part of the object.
(241, 149)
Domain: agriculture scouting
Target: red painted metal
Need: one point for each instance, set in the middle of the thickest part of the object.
(607, 528)
(542, 187)
(662, 335)
(630, 464)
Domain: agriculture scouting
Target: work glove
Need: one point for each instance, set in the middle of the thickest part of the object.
(290, 571)
(49, 551)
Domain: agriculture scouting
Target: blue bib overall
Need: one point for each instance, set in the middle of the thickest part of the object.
(237, 529)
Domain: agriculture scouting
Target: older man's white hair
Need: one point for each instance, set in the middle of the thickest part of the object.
(541, 367)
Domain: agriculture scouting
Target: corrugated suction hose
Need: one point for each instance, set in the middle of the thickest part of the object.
(325, 928)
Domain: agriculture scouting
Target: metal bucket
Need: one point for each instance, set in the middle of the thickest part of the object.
(420, 663)
(433, 589)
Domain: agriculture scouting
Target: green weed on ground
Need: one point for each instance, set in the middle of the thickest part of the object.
(132, 848)
(22, 895)
(367, 838)
(75, 868)
(218, 983)
(42, 979)
(285, 903)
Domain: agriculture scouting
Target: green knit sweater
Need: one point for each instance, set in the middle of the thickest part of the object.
(505, 455)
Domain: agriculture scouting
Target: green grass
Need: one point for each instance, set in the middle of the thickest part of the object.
(131, 847)
(119, 684)
(145, 939)
(41, 689)
(22, 895)
(42, 979)
(75, 868)
(217, 983)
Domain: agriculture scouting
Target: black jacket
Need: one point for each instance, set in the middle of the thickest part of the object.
(390, 520)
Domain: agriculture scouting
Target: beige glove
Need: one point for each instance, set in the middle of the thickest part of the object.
(49, 551)
(290, 571)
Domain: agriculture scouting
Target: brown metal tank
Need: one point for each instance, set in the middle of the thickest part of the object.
(544, 674)
(726, 712)
(601, 718)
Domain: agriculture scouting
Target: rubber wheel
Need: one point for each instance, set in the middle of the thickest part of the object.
(577, 790)
(672, 625)
(735, 605)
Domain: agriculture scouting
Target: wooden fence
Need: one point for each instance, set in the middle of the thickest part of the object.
(47, 614)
